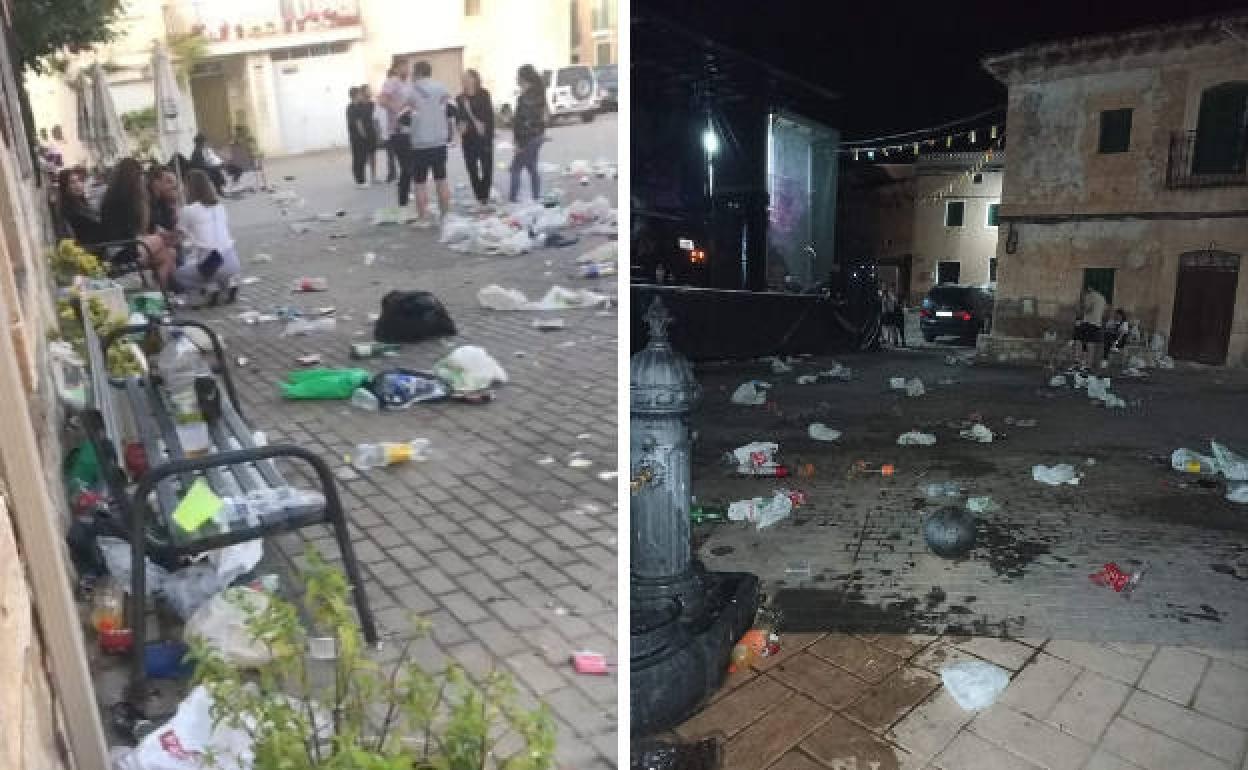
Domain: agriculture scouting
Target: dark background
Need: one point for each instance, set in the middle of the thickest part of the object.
(903, 66)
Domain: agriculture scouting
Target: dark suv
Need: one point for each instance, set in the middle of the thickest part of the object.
(956, 311)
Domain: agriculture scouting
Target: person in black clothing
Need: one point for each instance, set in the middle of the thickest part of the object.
(474, 116)
(360, 133)
(528, 130)
(162, 188)
(369, 113)
(76, 212)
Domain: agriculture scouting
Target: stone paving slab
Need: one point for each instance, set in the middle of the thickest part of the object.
(1054, 714)
(512, 560)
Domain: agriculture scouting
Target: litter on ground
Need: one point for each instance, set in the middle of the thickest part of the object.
(915, 438)
(496, 297)
(752, 393)
(1056, 475)
(820, 432)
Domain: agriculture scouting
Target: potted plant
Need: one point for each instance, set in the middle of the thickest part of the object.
(358, 715)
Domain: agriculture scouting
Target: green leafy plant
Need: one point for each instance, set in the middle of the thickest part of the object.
(359, 716)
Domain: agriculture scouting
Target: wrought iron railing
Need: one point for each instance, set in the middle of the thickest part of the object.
(1192, 166)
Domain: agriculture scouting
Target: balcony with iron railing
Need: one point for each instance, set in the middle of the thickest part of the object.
(244, 26)
(1196, 162)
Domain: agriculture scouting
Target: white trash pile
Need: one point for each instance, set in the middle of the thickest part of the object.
(1057, 475)
(761, 511)
(1231, 465)
(913, 387)
(1097, 388)
(915, 438)
(495, 297)
(752, 393)
(522, 227)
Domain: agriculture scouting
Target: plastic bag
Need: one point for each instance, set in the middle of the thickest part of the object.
(752, 393)
(978, 432)
(603, 252)
(1237, 493)
(914, 388)
(1187, 461)
(779, 365)
(496, 297)
(400, 388)
(326, 384)
(975, 685)
(761, 511)
(186, 741)
(757, 454)
(117, 557)
(469, 368)
(820, 432)
(915, 438)
(1055, 475)
(222, 623)
(412, 316)
(456, 229)
(1232, 465)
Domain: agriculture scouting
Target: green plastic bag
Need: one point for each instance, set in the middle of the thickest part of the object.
(324, 384)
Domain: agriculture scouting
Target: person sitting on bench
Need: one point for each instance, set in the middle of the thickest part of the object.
(212, 261)
(125, 215)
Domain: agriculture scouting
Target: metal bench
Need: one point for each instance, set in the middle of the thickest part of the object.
(235, 467)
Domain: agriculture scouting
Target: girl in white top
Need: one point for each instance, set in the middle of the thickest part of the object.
(212, 264)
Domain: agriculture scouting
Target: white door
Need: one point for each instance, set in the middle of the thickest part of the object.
(312, 99)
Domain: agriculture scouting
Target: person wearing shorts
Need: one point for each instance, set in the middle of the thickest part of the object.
(1089, 324)
(432, 126)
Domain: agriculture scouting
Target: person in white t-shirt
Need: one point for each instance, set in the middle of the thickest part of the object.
(432, 126)
(396, 99)
(212, 264)
(1088, 326)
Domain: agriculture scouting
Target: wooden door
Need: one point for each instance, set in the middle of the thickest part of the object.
(1204, 306)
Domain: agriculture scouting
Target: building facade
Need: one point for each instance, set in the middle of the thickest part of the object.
(929, 221)
(283, 68)
(1128, 173)
(595, 40)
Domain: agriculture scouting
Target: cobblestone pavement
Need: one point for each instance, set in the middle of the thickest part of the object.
(876, 702)
(869, 567)
(513, 561)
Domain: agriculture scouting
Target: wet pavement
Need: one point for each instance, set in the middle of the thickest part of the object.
(854, 557)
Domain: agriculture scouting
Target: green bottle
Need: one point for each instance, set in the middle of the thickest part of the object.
(373, 349)
(703, 513)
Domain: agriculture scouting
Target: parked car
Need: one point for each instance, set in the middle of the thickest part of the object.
(949, 310)
(608, 86)
(571, 91)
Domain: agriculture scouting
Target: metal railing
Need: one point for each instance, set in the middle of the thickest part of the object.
(1189, 168)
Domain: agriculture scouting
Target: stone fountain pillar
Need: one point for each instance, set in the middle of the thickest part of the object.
(684, 620)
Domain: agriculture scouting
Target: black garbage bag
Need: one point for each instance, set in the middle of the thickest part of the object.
(706, 754)
(412, 316)
(950, 532)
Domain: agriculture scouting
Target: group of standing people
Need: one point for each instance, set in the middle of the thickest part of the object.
(189, 248)
(416, 121)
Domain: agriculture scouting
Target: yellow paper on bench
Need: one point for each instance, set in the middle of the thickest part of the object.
(198, 507)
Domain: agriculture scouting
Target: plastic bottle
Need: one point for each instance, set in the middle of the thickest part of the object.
(180, 364)
(361, 350)
(299, 326)
(363, 398)
(387, 453)
(108, 603)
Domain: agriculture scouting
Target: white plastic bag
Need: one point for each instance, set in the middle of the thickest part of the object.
(838, 371)
(978, 432)
(897, 383)
(222, 623)
(1232, 465)
(1181, 458)
(763, 513)
(1237, 492)
(496, 297)
(820, 432)
(779, 365)
(186, 741)
(469, 368)
(756, 454)
(117, 558)
(752, 393)
(456, 229)
(603, 252)
(1056, 475)
(915, 438)
(914, 388)
(1057, 381)
(975, 685)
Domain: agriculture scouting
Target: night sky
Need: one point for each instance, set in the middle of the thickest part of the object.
(904, 66)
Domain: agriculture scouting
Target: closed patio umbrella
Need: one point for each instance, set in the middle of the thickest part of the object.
(107, 136)
(168, 110)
